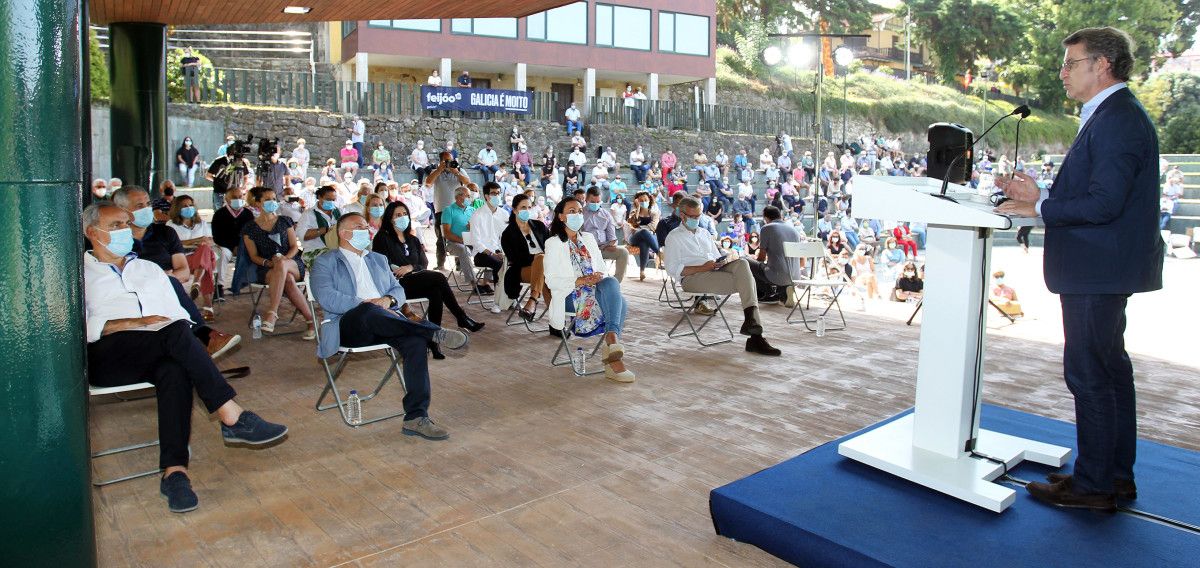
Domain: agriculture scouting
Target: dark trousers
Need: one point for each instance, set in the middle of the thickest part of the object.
(199, 329)
(1100, 376)
(359, 146)
(489, 172)
(422, 172)
(1023, 236)
(368, 324)
(176, 363)
(483, 260)
(441, 239)
(765, 287)
(433, 285)
(646, 243)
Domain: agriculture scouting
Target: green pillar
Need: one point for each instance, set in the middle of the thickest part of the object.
(137, 67)
(44, 469)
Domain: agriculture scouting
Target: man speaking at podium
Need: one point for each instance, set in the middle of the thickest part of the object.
(1102, 244)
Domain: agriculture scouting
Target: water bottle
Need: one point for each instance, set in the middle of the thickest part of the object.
(256, 327)
(820, 326)
(354, 409)
(579, 361)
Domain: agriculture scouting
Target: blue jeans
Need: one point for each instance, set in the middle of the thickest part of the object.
(574, 126)
(612, 305)
(852, 238)
(639, 172)
(359, 146)
(489, 172)
(525, 172)
(646, 243)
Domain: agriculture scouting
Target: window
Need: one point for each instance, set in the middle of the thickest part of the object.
(683, 33)
(622, 26)
(348, 28)
(494, 27)
(567, 24)
(414, 25)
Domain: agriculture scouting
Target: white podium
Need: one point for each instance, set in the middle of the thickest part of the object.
(929, 446)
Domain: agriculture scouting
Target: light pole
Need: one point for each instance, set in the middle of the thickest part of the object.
(844, 56)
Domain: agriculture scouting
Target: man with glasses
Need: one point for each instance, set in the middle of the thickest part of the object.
(487, 223)
(1102, 205)
(694, 261)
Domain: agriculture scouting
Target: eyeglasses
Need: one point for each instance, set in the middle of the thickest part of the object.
(1069, 64)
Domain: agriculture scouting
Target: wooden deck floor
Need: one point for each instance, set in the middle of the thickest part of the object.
(544, 468)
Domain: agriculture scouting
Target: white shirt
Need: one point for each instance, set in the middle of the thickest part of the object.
(486, 226)
(689, 248)
(487, 157)
(357, 131)
(578, 157)
(608, 159)
(434, 80)
(1089, 107)
(419, 158)
(200, 229)
(309, 222)
(364, 285)
(636, 158)
(140, 290)
(572, 114)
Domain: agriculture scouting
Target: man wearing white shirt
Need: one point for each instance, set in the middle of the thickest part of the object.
(695, 263)
(573, 123)
(487, 223)
(418, 160)
(357, 131)
(600, 177)
(488, 163)
(637, 163)
(138, 332)
(300, 153)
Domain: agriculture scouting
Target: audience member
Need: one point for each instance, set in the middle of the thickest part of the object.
(196, 236)
(643, 220)
(574, 124)
(486, 225)
(909, 287)
(350, 157)
(445, 180)
(600, 224)
(455, 220)
(774, 272)
(863, 268)
(524, 242)
(488, 162)
(271, 244)
(1004, 297)
(187, 157)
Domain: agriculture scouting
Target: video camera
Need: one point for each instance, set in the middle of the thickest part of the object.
(266, 149)
(239, 148)
(451, 163)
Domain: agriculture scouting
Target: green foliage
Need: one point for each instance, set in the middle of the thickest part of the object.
(750, 43)
(1173, 101)
(1019, 76)
(1181, 135)
(962, 32)
(842, 15)
(208, 76)
(101, 87)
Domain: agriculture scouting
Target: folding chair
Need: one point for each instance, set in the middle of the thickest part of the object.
(331, 375)
(94, 391)
(686, 315)
(517, 304)
(814, 253)
(564, 345)
(256, 293)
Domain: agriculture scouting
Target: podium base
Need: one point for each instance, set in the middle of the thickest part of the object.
(890, 448)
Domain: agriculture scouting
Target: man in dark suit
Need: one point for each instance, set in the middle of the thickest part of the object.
(1102, 244)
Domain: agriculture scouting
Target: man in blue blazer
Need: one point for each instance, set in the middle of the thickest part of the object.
(1102, 244)
(364, 305)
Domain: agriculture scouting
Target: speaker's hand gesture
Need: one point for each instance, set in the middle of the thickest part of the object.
(1019, 187)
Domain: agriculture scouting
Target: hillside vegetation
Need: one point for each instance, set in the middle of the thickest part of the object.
(895, 104)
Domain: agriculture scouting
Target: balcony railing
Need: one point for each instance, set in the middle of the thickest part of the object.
(709, 118)
(888, 54)
(302, 90)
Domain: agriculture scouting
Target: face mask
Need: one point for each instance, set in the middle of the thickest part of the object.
(328, 205)
(523, 215)
(593, 206)
(363, 199)
(143, 217)
(377, 211)
(691, 224)
(237, 203)
(494, 200)
(401, 223)
(270, 206)
(999, 281)
(187, 212)
(361, 239)
(909, 273)
(187, 142)
(120, 241)
(574, 221)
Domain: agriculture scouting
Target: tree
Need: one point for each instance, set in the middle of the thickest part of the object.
(101, 87)
(1019, 75)
(1181, 135)
(1173, 101)
(962, 32)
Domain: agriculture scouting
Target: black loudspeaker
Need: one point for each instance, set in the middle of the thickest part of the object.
(948, 142)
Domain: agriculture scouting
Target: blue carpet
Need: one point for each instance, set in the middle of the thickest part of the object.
(820, 509)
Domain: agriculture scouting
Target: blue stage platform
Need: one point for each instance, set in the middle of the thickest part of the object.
(820, 509)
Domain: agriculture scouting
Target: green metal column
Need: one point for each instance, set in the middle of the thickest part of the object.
(44, 471)
(137, 67)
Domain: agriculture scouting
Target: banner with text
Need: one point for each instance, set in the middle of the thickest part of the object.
(475, 100)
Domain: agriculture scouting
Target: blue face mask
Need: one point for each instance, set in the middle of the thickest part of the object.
(494, 200)
(237, 203)
(401, 223)
(361, 239)
(691, 223)
(376, 211)
(523, 215)
(363, 199)
(143, 217)
(120, 241)
(187, 212)
(328, 205)
(593, 206)
(574, 221)
(270, 206)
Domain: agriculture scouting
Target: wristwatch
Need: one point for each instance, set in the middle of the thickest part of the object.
(393, 302)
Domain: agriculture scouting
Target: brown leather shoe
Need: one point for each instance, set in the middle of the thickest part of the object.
(1060, 495)
(1125, 489)
(758, 344)
(220, 343)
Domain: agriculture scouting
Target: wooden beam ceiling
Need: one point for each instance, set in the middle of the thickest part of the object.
(196, 12)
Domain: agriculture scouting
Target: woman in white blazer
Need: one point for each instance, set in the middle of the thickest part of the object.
(575, 274)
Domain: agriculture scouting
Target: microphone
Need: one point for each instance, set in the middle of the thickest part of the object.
(1022, 110)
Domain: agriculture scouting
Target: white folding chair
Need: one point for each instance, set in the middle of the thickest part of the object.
(94, 391)
(564, 344)
(332, 374)
(813, 253)
(517, 304)
(256, 293)
(675, 300)
(475, 296)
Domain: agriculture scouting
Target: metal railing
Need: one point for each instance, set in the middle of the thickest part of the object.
(300, 90)
(705, 117)
(889, 54)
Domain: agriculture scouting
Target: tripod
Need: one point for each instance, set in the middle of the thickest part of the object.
(990, 302)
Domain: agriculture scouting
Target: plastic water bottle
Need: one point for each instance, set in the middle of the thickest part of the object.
(579, 361)
(820, 326)
(354, 408)
(256, 327)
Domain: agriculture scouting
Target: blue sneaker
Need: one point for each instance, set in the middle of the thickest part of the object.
(253, 430)
(177, 488)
